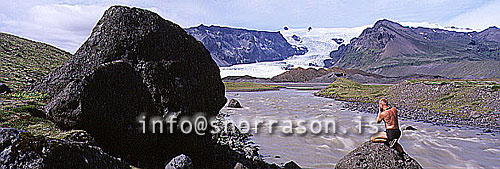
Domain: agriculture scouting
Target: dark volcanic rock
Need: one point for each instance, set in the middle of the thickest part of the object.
(136, 64)
(180, 162)
(409, 128)
(291, 165)
(239, 166)
(230, 46)
(376, 155)
(234, 103)
(4, 88)
(338, 40)
(296, 38)
(22, 150)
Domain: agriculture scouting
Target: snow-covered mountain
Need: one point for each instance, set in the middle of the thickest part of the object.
(319, 42)
(229, 46)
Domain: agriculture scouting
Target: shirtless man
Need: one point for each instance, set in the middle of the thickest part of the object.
(392, 133)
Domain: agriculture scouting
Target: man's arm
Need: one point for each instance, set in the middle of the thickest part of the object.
(380, 116)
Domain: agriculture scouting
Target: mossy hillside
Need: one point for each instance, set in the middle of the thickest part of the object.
(249, 86)
(348, 90)
(24, 62)
(23, 110)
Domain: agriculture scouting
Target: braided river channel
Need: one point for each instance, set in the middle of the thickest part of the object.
(432, 146)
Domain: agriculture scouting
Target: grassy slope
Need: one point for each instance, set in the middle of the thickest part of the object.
(348, 90)
(22, 63)
(249, 86)
(450, 98)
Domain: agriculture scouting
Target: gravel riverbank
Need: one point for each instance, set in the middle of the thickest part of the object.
(462, 104)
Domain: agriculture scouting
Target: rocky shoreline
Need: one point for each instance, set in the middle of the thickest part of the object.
(470, 104)
(427, 116)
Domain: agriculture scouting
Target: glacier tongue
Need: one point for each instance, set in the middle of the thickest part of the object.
(319, 41)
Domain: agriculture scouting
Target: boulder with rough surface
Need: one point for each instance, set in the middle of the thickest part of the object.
(136, 64)
(234, 104)
(180, 162)
(291, 165)
(376, 155)
(20, 149)
(409, 128)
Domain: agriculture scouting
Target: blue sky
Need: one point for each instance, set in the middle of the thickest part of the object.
(66, 24)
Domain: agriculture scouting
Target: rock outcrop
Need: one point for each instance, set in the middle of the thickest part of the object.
(22, 150)
(409, 128)
(291, 165)
(234, 104)
(230, 46)
(180, 162)
(376, 155)
(136, 64)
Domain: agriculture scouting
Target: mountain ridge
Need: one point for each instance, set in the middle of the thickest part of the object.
(388, 47)
(229, 46)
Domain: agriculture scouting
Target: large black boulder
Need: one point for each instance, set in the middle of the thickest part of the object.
(22, 150)
(376, 155)
(136, 64)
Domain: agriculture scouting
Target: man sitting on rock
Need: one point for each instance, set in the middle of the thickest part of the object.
(392, 133)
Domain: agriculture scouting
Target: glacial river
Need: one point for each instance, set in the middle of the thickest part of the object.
(432, 146)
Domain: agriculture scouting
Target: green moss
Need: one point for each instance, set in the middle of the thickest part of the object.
(24, 108)
(348, 90)
(495, 87)
(23, 61)
(249, 86)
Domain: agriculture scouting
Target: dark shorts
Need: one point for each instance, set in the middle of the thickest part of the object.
(393, 134)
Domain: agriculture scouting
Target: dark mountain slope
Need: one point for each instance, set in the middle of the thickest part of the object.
(391, 49)
(230, 46)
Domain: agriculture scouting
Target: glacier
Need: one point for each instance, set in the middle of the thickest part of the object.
(319, 41)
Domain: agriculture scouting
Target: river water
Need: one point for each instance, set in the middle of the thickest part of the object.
(432, 146)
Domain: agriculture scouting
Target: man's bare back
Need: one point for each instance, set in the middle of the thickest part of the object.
(390, 117)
